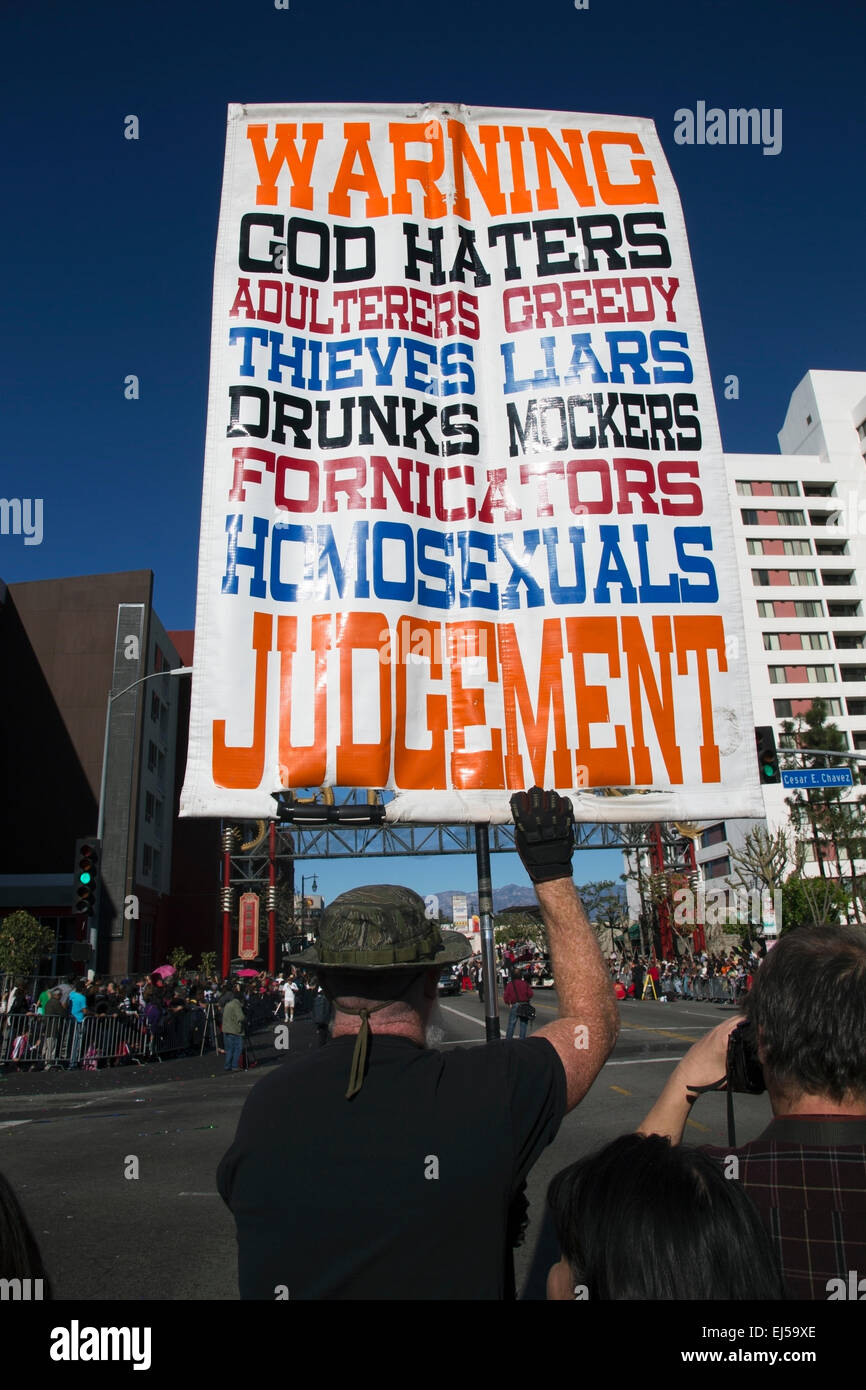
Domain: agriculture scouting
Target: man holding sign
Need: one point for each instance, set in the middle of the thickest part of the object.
(398, 1135)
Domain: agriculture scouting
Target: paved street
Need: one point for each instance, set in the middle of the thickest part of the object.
(66, 1140)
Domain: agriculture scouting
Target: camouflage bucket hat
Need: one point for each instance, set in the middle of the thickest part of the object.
(382, 927)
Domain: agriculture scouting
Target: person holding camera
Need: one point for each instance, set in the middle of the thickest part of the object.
(806, 1173)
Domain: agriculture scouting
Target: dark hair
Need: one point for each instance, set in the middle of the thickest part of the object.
(19, 1252)
(808, 1005)
(643, 1219)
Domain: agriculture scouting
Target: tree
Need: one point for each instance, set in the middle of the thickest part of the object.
(761, 862)
(635, 840)
(24, 940)
(208, 964)
(604, 908)
(520, 924)
(180, 959)
(812, 901)
(832, 822)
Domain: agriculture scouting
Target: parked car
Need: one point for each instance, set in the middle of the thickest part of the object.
(448, 983)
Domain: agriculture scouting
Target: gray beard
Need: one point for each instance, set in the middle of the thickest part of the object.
(435, 1032)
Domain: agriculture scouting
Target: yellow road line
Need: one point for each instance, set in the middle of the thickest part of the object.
(705, 1129)
(661, 1032)
(620, 1091)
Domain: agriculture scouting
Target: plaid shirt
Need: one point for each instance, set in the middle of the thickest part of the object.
(806, 1174)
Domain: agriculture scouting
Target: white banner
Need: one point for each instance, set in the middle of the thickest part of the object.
(465, 523)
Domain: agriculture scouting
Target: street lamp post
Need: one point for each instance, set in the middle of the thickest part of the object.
(112, 696)
(315, 888)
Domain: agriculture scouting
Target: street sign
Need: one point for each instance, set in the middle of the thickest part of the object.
(818, 777)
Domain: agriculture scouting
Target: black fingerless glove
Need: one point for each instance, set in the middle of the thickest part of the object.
(544, 833)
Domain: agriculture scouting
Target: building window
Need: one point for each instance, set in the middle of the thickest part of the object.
(792, 578)
(844, 610)
(717, 868)
(146, 860)
(160, 767)
(861, 429)
(795, 675)
(850, 641)
(155, 707)
(767, 489)
(756, 518)
(714, 835)
(790, 608)
(819, 489)
(152, 753)
(835, 578)
(789, 709)
(856, 708)
(149, 805)
(786, 641)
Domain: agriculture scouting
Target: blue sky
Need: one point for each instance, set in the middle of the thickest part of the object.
(108, 243)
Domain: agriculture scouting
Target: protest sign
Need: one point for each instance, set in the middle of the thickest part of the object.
(465, 523)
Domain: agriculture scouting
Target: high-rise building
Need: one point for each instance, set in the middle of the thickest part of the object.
(800, 536)
(66, 644)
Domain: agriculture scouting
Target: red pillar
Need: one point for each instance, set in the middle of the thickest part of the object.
(657, 858)
(699, 939)
(272, 892)
(227, 900)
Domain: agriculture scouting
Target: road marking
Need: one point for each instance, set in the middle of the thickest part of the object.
(660, 1032)
(641, 1061)
(467, 1018)
(700, 1015)
(7, 1124)
(620, 1091)
(704, 1128)
(198, 1194)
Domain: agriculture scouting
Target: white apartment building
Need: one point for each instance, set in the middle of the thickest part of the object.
(800, 535)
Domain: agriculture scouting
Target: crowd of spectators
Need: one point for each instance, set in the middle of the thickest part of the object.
(714, 979)
(102, 1021)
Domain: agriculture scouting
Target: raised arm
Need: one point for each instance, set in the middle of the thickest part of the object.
(588, 1023)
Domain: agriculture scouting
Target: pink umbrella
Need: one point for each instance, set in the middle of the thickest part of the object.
(244, 974)
(164, 970)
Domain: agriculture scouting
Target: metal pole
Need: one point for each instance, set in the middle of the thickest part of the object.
(488, 952)
(272, 889)
(100, 824)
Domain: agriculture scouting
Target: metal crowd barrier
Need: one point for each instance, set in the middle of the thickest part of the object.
(30, 1039)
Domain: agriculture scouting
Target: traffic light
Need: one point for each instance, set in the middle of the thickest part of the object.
(86, 876)
(768, 758)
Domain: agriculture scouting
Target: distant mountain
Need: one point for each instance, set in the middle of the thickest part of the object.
(510, 895)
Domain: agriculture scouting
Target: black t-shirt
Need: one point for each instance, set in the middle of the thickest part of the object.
(402, 1192)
